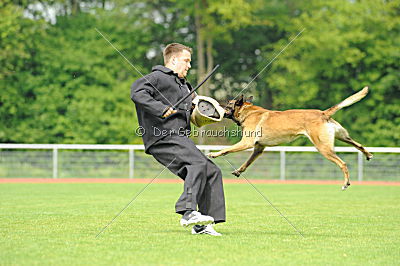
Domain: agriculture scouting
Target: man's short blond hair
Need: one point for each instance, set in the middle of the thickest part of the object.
(174, 48)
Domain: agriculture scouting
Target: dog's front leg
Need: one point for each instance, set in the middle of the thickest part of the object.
(244, 144)
(258, 150)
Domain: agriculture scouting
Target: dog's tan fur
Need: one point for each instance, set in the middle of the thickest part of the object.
(262, 127)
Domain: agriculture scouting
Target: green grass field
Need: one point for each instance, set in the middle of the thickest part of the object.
(57, 223)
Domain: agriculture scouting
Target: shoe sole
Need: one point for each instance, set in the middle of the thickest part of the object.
(187, 224)
(204, 233)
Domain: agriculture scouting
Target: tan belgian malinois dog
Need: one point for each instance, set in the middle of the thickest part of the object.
(262, 127)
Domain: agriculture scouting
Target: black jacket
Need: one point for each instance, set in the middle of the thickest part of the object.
(153, 94)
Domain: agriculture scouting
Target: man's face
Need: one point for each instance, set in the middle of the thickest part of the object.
(181, 63)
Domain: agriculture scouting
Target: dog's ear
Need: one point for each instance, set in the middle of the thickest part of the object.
(240, 100)
(249, 99)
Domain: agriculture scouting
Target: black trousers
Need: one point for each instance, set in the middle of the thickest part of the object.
(203, 186)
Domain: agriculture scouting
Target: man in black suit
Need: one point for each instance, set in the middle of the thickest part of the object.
(166, 137)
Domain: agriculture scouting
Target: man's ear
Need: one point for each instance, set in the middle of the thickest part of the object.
(249, 99)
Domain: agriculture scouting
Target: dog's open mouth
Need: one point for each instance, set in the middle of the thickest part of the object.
(228, 113)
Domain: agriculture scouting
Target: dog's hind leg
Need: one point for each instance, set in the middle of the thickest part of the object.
(258, 150)
(330, 155)
(324, 144)
(342, 135)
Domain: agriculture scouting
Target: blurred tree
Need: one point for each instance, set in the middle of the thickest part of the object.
(61, 82)
(218, 20)
(346, 46)
(76, 84)
(20, 39)
(73, 87)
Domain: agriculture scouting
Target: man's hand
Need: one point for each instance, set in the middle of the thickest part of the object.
(169, 112)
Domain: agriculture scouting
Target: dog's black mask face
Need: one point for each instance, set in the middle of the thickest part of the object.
(234, 105)
(230, 109)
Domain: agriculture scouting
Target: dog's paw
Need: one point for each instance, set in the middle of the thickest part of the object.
(369, 157)
(236, 173)
(213, 154)
(345, 186)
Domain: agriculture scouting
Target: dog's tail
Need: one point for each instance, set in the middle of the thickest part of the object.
(348, 101)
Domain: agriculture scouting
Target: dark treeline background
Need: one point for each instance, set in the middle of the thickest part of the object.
(61, 82)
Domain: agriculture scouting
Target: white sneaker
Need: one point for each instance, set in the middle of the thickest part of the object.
(205, 229)
(196, 218)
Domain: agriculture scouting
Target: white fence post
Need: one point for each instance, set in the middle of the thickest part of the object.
(131, 163)
(360, 166)
(55, 162)
(283, 164)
